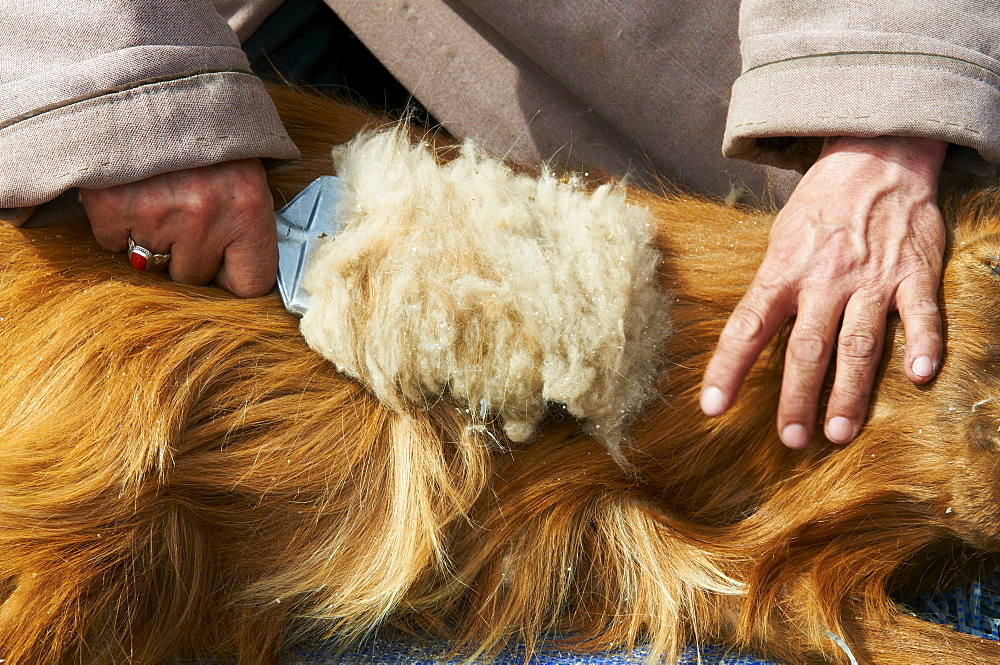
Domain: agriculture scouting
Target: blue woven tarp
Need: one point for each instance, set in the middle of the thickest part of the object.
(974, 609)
(393, 652)
(400, 652)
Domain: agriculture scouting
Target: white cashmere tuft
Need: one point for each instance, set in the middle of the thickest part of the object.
(510, 292)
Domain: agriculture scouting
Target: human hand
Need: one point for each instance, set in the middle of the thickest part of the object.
(217, 222)
(860, 236)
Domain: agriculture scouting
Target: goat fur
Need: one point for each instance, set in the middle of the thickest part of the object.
(181, 474)
(511, 291)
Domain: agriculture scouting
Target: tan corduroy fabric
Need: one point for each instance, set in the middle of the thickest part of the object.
(96, 93)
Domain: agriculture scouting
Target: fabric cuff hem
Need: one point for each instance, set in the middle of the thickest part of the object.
(928, 99)
(137, 133)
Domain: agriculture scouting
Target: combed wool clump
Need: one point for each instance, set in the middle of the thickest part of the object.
(508, 291)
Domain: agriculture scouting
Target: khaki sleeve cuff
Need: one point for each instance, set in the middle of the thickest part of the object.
(778, 108)
(184, 122)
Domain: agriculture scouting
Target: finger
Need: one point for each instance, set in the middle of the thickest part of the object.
(251, 263)
(751, 325)
(251, 255)
(859, 348)
(110, 227)
(195, 259)
(192, 218)
(916, 300)
(806, 359)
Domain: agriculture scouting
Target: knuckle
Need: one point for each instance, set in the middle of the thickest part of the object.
(807, 348)
(922, 308)
(859, 345)
(744, 325)
(199, 203)
(255, 198)
(250, 219)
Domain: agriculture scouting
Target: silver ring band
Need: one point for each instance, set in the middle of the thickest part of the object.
(145, 260)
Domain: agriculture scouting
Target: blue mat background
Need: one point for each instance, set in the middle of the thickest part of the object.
(974, 610)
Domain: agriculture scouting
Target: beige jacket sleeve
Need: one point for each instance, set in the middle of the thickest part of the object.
(927, 68)
(95, 93)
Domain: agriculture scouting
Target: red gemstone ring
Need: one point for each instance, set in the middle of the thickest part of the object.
(143, 259)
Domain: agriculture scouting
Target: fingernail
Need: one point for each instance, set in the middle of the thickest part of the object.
(839, 429)
(713, 401)
(795, 436)
(923, 367)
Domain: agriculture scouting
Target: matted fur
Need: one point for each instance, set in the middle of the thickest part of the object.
(181, 474)
(512, 292)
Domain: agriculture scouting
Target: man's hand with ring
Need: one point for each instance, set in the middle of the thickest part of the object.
(216, 223)
(860, 236)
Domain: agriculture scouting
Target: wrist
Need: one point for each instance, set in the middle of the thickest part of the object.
(922, 156)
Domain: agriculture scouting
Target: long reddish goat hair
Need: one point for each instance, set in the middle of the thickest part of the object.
(182, 475)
